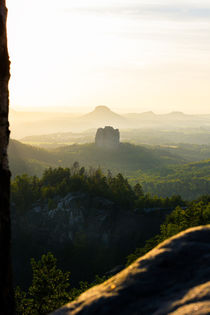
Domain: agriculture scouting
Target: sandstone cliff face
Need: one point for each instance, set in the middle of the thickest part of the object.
(173, 278)
(107, 138)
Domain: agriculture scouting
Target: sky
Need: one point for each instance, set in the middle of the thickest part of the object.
(131, 55)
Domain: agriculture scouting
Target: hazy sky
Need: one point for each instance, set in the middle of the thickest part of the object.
(131, 55)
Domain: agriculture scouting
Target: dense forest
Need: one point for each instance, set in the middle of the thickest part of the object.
(26, 190)
(79, 225)
(80, 217)
(111, 217)
(189, 180)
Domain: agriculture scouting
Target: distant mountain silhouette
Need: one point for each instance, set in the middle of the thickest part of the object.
(172, 116)
(176, 115)
(36, 123)
(103, 114)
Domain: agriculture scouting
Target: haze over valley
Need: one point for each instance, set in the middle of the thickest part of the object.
(54, 129)
(153, 148)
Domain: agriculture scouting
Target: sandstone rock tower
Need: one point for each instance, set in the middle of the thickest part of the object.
(107, 138)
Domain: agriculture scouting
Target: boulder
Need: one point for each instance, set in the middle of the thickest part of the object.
(173, 278)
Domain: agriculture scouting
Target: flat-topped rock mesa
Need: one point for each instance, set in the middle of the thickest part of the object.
(108, 138)
(173, 278)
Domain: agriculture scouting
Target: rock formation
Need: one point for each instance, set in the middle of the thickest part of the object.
(107, 138)
(173, 278)
(99, 221)
(6, 292)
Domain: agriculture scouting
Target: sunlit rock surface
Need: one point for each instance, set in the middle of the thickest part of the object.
(173, 278)
(107, 138)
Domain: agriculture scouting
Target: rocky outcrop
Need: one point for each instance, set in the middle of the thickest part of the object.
(173, 278)
(99, 219)
(107, 138)
(93, 233)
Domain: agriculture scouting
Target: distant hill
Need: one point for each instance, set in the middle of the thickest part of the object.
(27, 159)
(103, 114)
(140, 136)
(161, 171)
(189, 180)
(54, 140)
(27, 124)
(177, 115)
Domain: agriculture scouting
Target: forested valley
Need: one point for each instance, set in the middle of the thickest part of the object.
(81, 213)
(75, 227)
(164, 171)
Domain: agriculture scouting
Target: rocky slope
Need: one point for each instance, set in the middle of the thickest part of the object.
(173, 278)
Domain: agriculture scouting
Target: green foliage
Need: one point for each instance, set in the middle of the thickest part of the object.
(23, 303)
(59, 182)
(50, 288)
(126, 157)
(54, 176)
(24, 191)
(138, 190)
(189, 180)
(162, 171)
(34, 198)
(48, 291)
(198, 213)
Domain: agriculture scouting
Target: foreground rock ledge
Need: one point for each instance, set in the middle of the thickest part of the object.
(173, 278)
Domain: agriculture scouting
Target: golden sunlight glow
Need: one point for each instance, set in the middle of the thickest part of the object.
(129, 55)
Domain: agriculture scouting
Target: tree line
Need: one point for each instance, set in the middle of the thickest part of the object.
(55, 183)
(196, 214)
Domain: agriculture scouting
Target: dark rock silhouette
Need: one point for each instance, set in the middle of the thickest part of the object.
(108, 138)
(173, 278)
(6, 291)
